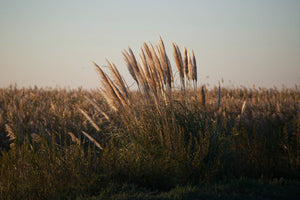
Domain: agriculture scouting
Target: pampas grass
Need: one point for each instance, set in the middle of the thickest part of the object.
(179, 63)
(74, 138)
(194, 74)
(153, 75)
(243, 108)
(110, 92)
(186, 63)
(92, 140)
(11, 135)
(90, 120)
(97, 107)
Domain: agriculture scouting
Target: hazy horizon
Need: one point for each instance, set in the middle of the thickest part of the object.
(53, 43)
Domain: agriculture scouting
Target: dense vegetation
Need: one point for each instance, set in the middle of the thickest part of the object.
(45, 154)
(157, 142)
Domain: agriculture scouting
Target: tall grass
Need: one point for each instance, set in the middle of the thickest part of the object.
(58, 143)
(190, 135)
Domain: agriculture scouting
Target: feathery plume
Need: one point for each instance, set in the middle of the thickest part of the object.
(93, 102)
(130, 66)
(179, 62)
(110, 87)
(194, 77)
(89, 119)
(158, 68)
(243, 108)
(109, 99)
(118, 79)
(92, 140)
(10, 133)
(166, 62)
(186, 66)
(190, 67)
(74, 138)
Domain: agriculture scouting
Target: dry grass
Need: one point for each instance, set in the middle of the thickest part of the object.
(67, 143)
(153, 75)
(185, 142)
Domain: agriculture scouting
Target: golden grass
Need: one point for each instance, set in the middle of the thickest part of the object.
(153, 75)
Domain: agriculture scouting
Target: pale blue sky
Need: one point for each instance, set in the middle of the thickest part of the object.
(52, 43)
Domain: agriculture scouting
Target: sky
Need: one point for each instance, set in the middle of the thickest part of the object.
(53, 43)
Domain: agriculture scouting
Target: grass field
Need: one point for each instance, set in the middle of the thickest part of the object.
(160, 141)
(45, 154)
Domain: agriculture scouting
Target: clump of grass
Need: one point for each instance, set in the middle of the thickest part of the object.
(192, 139)
(153, 75)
